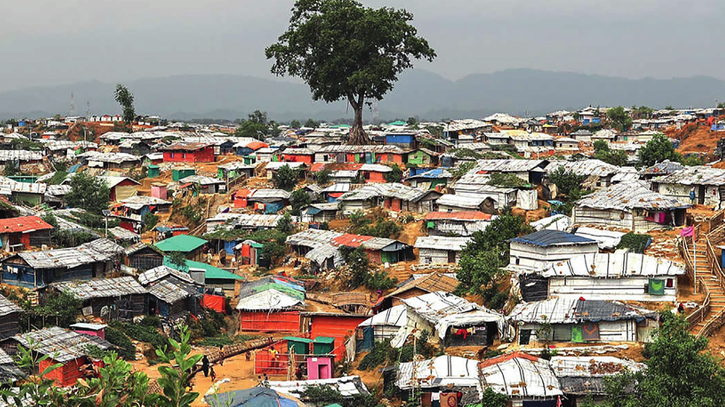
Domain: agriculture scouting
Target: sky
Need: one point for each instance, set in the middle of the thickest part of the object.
(44, 42)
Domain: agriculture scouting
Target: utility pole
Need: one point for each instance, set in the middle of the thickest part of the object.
(694, 256)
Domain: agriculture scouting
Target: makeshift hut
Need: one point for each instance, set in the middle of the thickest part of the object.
(629, 205)
(111, 298)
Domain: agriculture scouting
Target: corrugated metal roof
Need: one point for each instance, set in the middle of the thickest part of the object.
(626, 196)
(124, 234)
(20, 155)
(460, 201)
(547, 237)
(348, 386)
(574, 310)
(387, 190)
(584, 167)
(160, 272)
(614, 265)
(312, 237)
(698, 175)
(663, 168)
(507, 165)
(116, 158)
(434, 282)
(101, 288)
(379, 149)
(462, 216)
(441, 243)
(60, 344)
(269, 194)
(95, 251)
(7, 307)
(440, 372)
(375, 168)
(276, 165)
(436, 305)
(201, 180)
(23, 224)
(167, 291)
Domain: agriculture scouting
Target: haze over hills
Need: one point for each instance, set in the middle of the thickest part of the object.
(418, 93)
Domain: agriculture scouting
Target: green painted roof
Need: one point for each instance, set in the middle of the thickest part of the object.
(281, 288)
(324, 339)
(180, 243)
(296, 339)
(210, 272)
(398, 123)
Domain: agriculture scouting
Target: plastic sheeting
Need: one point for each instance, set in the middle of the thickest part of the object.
(527, 200)
(214, 302)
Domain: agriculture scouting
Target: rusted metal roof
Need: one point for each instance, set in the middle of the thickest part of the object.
(23, 224)
(466, 215)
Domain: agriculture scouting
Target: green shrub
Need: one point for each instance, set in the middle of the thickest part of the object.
(378, 355)
(634, 242)
(152, 321)
(125, 349)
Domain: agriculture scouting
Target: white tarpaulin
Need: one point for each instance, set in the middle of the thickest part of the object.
(267, 300)
(606, 239)
(438, 372)
(527, 199)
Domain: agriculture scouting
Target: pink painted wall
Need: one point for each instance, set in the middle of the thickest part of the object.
(101, 334)
(158, 191)
(319, 368)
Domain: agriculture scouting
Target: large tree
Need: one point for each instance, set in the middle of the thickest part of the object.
(345, 51)
(620, 118)
(658, 149)
(89, 193)
(124, 98)
(256, 126)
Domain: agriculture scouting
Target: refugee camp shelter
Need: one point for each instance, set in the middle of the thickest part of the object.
(525, 379)
(706, 182)
(620, 276)
(582, 377)
(392, 196)
(336, 326)
(191, 246)
(188, 153)
(443, 374)
(111, 298)
(456, 223)
(536, 250)
(579, 320)
(9, 318)
(68, 348)
(629, 205)
(452, 319)
(214, 278)
(142, 256)
(171, 292)
(24, 232)
(425, 284)
(440, 249)
(381, 326)
(37, 269)
(379, 250)
(271, 305)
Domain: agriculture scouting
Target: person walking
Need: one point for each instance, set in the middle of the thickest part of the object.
(205, 366)
(213, 375)
(221, 355)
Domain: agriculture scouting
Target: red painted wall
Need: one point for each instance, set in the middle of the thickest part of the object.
(375, 177)
(205, 155)
(338, 327)
(265, 321)
(292, 158)
(66, 375)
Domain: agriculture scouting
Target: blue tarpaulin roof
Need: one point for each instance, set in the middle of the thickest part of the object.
(545, 238)
(254, 397)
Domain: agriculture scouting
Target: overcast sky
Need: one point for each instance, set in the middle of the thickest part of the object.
(44, 42)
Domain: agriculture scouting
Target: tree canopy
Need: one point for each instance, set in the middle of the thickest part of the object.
(256, 126)
(124, 98)
(89, 193)
(346, 51)
(680, 372)
(620, 118)
(285, 178)
(566, 181)
(658, 149)
(603, 152)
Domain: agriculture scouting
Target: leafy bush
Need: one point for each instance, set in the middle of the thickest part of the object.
(565, 180)
(634, 242)
(141, 333)
(380, 281)
(149, 220)
(151, 321)
(125, 347)
(378, 355)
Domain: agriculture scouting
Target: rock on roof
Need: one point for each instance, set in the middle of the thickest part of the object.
(518, 375)
(60, 344)
(101, 288)
(626, 196)
(572, 311)
(167, 291)
(91, 252)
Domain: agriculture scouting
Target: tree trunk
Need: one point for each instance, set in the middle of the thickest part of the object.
(357, 134)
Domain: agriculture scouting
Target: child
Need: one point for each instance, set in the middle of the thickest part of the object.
(212, 373)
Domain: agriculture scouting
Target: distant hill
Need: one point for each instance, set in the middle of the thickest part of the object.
(418, 93)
